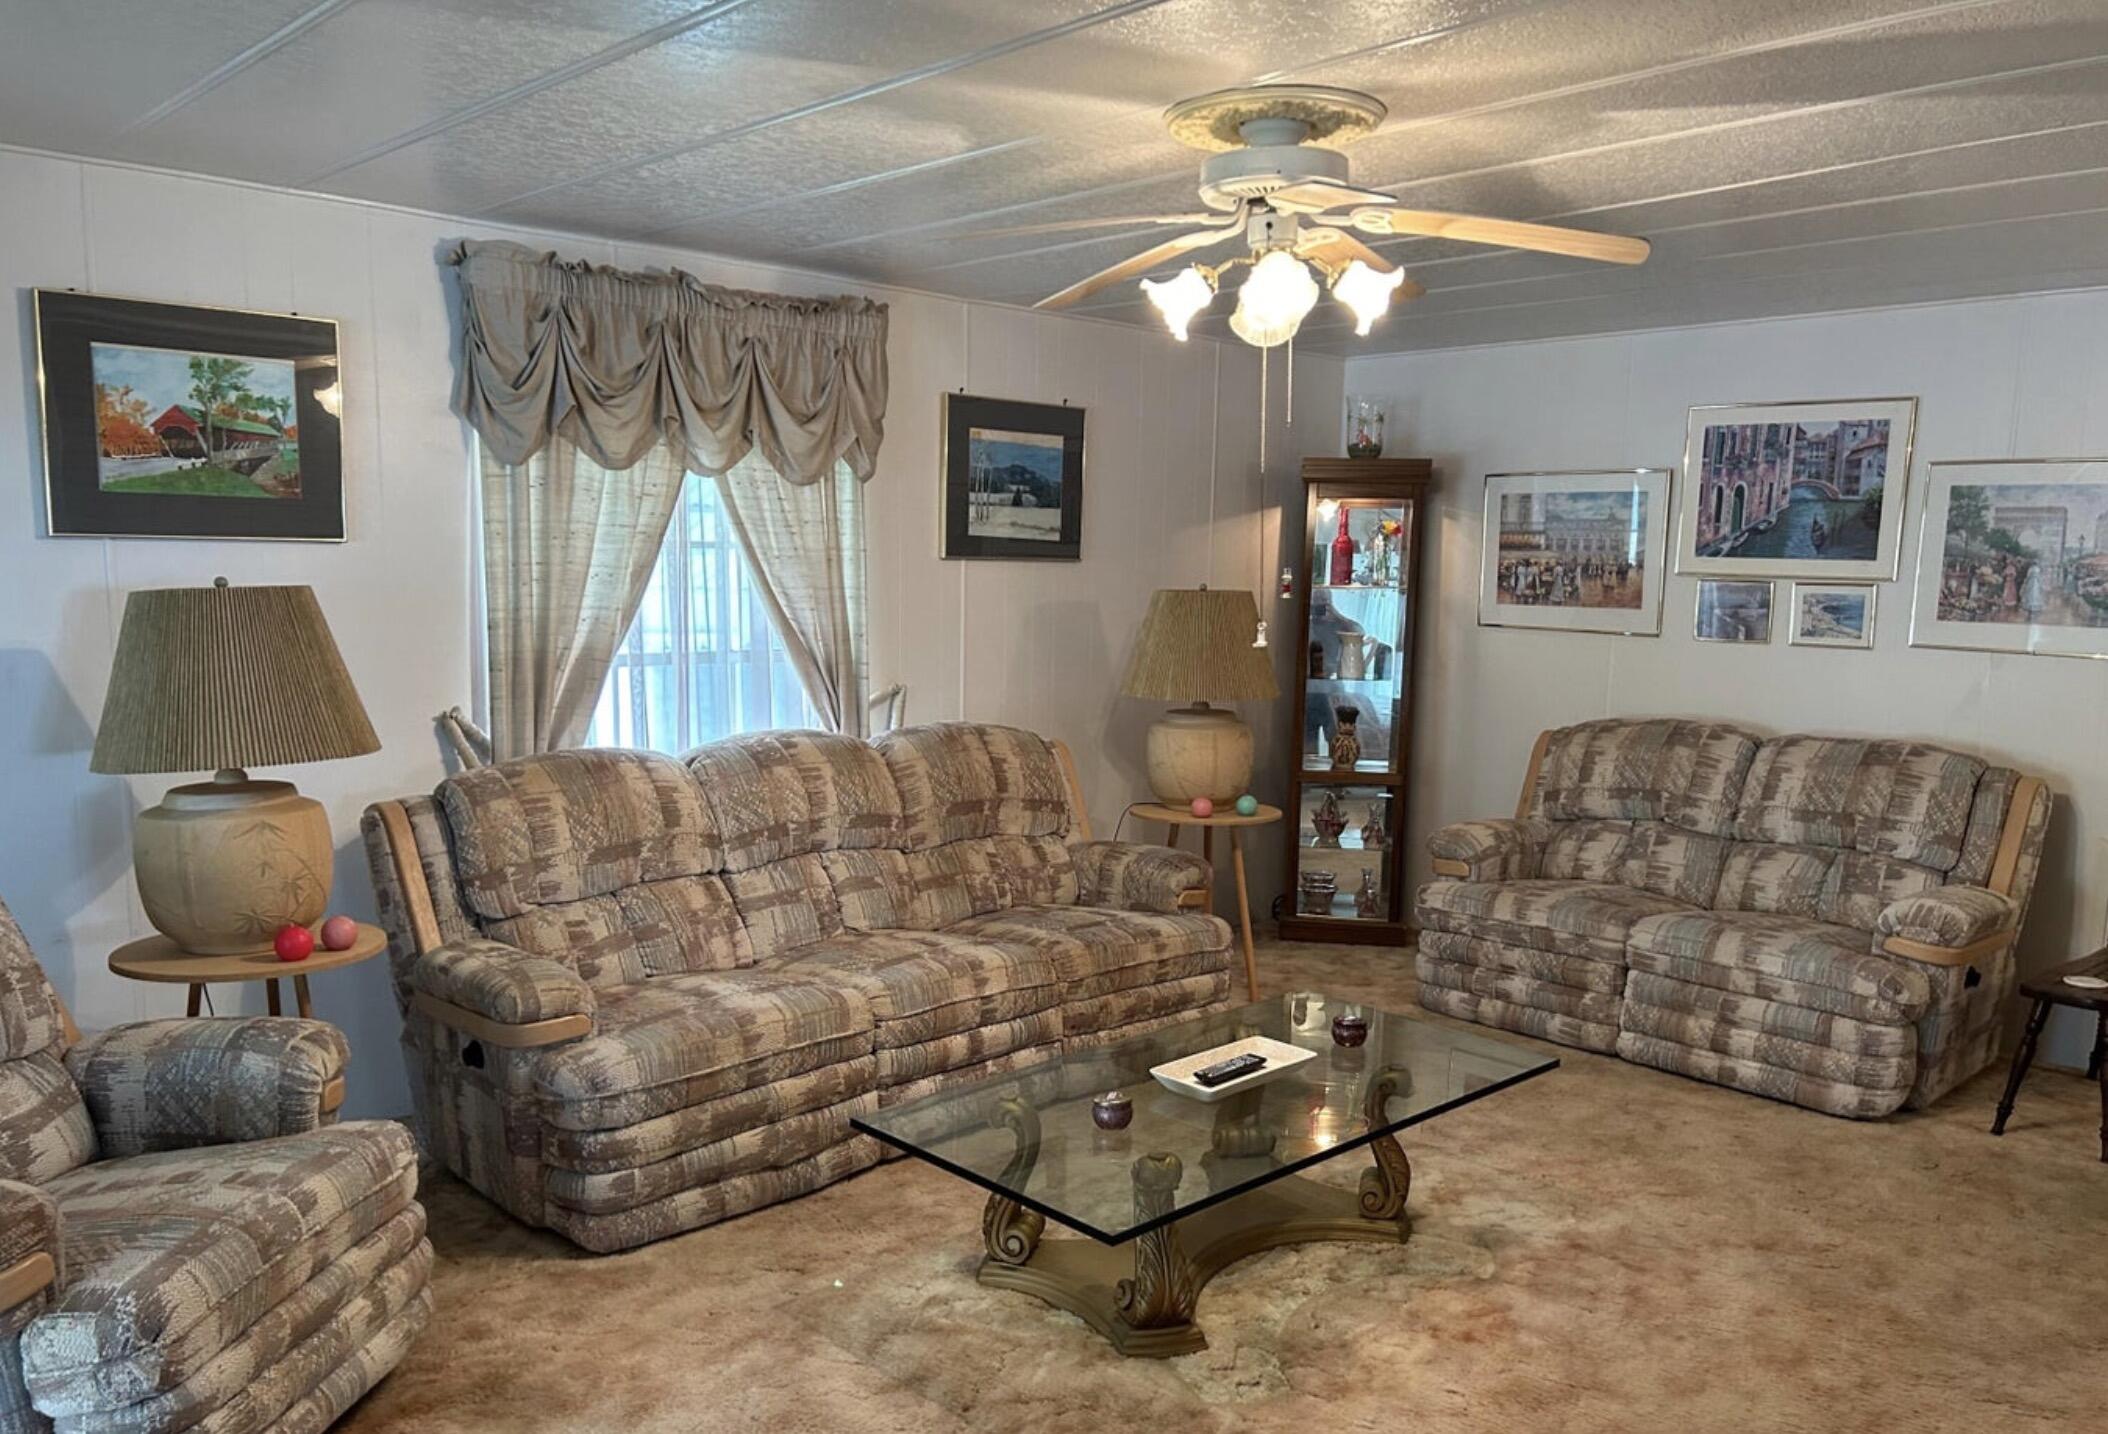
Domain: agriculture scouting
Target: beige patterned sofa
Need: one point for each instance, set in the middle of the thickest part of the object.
(643, 994)
(1825, 920)
(187, 1239)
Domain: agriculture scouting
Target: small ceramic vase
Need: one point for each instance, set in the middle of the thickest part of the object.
(1353, 656)
(1113, 1110)
(1349, 1030)
(1317, 658)
(1346, 741)
(1329, 820)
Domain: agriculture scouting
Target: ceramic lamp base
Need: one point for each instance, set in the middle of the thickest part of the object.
(1199, 751)
(223, 864)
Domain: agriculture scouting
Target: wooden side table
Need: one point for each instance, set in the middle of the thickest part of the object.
(1176, 817)
(159, 959)
(2050, 990)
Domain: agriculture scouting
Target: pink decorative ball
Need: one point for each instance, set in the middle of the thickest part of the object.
(339, 932)
(293, 943)
(1203, 806)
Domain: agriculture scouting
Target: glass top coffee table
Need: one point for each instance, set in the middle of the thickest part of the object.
(1191, 1185)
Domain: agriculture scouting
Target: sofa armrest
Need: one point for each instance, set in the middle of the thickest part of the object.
(1136, 877)
(501, 994)
(173, 1085)
(1497, 849)
(1947, 926)
(29, 1254)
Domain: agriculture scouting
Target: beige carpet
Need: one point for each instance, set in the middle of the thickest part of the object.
(1606, 1248)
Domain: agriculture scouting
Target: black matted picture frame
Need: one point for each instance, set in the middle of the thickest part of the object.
(178, 421)
(1013, 479)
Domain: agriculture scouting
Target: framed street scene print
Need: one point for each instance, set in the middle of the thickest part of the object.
(1582, 551)
(172, 421)
(2014, 557)
(1733, 611)
(1832, 615)
(1013, 479)
(1795, 490)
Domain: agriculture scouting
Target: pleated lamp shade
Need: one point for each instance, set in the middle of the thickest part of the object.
(1196, 643)
(225, 677)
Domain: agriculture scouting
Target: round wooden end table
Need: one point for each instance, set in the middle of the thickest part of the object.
(2049, 990)
(1235, 823)
(159, 959)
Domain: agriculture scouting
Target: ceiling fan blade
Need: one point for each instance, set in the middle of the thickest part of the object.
(1506, 233)
(1206, 216)
(1338, 247)
(1140, 263)
(1313, 196)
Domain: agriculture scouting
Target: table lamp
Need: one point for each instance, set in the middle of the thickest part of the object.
(1198, 644)
(219, 679)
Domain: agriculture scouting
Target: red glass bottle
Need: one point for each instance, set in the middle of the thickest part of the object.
(1342, 553)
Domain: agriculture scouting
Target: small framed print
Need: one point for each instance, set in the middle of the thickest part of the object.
(174, 421)
(1732, 610)
(1013, 479)
(1580, 551)
(2013, 557)
(1832, 615)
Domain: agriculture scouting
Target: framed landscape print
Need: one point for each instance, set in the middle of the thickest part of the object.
(1795, 490)
(169, 421)
(1013, 479)
(1832, 615)
(1733, 611)
(2014, 557)
(1581, 551)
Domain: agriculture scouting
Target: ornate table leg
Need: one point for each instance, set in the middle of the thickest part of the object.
(2022, 1059)
(1008, 1229)
(1163, 1291)
(1385, 1185)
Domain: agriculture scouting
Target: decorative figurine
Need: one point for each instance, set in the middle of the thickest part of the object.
(1342, 553)
(1288, 582)
(1113, 1110)
(1365, 427)
(1346, 742)
(1329, 820)
(1247, 805)
(1368, 904)
(1317, 658)
(1373, 836)
(1315, 891)
(1349, 1030)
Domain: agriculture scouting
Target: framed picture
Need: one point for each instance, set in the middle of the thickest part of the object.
(1795, 490)
(1013, 478)
(1733, 611)
(2014, 557)
(1832, 615)
(170, 421)
(1583, 551)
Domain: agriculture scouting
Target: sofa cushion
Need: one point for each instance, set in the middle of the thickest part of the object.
(1688, 773)
(849, 795)
(1771, 876)
(44, 1125)
(1554, 967)
(918, 890)
(1095, 949)
(564, 826)
(758, 800)
(170, 1257)
(1782, 958)
(924, 984)
(1584, 850)
(674, 1041)
(29, 1008)
(655, 928)
(1039, 870)
(946, 781)
(785, 905)
(1674, 862)
(1582, 918)
(1907, 800)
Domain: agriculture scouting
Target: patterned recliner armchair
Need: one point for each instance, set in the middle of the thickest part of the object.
(187, 1240)
(1825, 920)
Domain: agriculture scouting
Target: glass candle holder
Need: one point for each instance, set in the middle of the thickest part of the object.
(1365, 416)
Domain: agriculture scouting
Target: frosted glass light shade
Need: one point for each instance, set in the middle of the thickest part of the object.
(1367, 293)
(1274, 300)
(1180, 297)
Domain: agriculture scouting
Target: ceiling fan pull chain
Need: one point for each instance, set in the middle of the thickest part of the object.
(1262, 410)
(1288, 414)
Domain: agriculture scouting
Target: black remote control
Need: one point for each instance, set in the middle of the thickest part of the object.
(1229, 1070)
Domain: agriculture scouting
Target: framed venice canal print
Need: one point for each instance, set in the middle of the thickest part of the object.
(2013, 557)
(1795, 490)
(1013, 479)
(1580, 551)
(172, 421)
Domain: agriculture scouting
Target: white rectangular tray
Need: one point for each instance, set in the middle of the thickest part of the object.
(1176, 1076)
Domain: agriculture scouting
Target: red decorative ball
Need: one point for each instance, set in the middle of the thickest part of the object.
(339, 932)
(1204, 806)
(293, 943)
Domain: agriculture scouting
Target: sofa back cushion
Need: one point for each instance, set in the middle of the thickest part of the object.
(917, 890)
(44, 1125)
(1689, 774)
(759, 801)
(959, 780)
(1906, 800)
(1845, 888)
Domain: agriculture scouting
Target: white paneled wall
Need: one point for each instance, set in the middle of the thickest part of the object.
(1173, 495)
(2024, 377)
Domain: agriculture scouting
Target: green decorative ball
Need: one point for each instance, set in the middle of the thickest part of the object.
(1247, 805)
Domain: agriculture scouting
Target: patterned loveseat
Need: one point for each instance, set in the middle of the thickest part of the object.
(187, 1239)
(642, 994)
(1828, 921)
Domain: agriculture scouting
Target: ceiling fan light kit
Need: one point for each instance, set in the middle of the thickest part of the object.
(1275, 297)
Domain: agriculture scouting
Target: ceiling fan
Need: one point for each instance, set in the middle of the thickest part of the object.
(1275, 177)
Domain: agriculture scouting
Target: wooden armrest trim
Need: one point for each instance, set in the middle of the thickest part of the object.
(410, 876)
(1529, 777)
(1450, 866)
(500, 1033)
(25, 1278)
(1080, 823)
(1193, 898)
(333, 1095)
(1947, 955)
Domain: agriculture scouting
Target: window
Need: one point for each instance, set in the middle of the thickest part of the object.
(702, 660)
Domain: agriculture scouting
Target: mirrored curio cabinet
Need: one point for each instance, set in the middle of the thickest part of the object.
(1358, 593)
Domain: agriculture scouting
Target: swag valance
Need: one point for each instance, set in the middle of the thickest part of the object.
(620, 362)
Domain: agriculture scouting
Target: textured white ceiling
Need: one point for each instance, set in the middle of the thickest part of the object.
(1784, 155)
